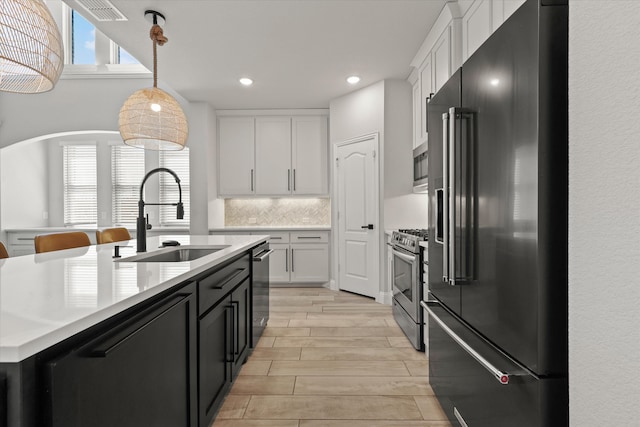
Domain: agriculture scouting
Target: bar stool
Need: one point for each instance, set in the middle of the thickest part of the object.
(3, 251)
(59, 241)
(110, 235)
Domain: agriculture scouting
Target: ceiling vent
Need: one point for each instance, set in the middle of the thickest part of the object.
(102, 10)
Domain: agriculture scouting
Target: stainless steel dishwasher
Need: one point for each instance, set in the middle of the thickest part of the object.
(260, 298)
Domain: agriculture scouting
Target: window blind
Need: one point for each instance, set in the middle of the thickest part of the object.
(177, 161)
(127, 172)
(80, 184)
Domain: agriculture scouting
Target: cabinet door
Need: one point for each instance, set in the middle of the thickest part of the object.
(141, 373)
(426, 89)
(441, 57)
(477, 26)
(417, 111)
(241, 312)
(215, 359)
(279, 263)
(273, 156)
(309, 149)
(309, 262)
(236, 155)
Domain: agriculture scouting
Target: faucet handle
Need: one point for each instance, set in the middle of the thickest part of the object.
(147, 224)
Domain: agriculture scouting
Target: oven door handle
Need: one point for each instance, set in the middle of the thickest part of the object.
(409, 258)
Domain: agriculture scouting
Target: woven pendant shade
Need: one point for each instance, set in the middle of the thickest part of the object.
(151, 118)
(31, 52)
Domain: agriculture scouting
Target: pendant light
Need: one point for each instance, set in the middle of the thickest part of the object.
(31, 52)
(151, 118)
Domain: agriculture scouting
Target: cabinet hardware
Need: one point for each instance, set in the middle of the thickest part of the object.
(294, 180)
(113, 343)
(309, 237)
(292, 267)
(229, 278)
(286, 260)
(289, 179)
(236, 324)
(251, 179)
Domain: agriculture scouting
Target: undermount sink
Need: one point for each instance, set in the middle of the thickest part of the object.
(177, 254)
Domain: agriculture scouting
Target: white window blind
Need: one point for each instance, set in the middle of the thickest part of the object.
(80, 184)
(177, 161)
(127, 172)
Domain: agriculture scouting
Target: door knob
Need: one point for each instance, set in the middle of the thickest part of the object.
(369, 226)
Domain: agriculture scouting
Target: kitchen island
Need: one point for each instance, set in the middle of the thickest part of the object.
(89, 340)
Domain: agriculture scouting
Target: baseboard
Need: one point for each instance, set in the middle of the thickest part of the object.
(384, 298)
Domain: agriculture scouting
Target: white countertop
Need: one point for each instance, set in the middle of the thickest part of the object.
(46, 298)
(132, 228)
(273, 228)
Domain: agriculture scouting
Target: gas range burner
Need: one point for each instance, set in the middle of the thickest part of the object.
(423, 233)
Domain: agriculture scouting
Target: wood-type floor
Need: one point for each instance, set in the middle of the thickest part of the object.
(331, 359)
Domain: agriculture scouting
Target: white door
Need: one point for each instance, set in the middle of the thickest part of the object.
(357, 191)
(273, 156)
(236, 156)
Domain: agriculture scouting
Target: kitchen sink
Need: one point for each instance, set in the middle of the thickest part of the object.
(177, 254)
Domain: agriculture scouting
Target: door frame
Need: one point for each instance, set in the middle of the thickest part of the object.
(382, 296)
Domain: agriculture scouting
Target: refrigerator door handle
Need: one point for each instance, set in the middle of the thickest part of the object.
(445, 197)
(459, 201)
(502, 377)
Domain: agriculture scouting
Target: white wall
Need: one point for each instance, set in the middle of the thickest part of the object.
(604, 213)
(24, 185)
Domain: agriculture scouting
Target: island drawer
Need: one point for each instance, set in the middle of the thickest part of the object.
(214, 286)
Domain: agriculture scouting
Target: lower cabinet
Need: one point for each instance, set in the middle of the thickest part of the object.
(140, 373)
(224, 333)
(303, 259)
(167, 362)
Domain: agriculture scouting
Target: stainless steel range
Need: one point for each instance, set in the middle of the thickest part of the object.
(407, 283)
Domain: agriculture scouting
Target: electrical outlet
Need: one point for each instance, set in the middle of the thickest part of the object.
(305, 220)
(45, 215)
(103, 215)
(253, 220)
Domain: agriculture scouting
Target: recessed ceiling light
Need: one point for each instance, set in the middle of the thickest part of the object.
(353, 79)
(495, 82)
(246, 81)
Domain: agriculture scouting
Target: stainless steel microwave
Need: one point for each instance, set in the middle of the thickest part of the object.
(420, 168)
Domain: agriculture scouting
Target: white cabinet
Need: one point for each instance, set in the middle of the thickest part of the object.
(477, 26)
(309, 150)
(441, 57)
(421, 95)
(273, 155)
(297, 257)
(236, 155)
(480, 21)
(309, 262)
(417, 111)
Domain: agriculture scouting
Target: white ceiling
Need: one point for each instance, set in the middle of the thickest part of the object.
(298, 52)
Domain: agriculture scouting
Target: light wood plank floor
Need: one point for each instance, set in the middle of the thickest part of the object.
(331, 359)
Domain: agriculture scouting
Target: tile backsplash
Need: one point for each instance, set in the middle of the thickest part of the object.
(277, 212)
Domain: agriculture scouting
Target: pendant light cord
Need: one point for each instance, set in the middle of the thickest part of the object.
(158, 38)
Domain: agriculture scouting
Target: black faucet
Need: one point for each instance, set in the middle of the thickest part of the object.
(142, 224)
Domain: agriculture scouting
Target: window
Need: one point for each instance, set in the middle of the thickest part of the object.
(177, 161)
(80, 184)
(125, 57)
(127, 172)
(83, 40)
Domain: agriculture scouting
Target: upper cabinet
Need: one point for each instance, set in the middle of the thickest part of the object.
(481, 19)
(237, 170)
(273, 155)
(460, 29)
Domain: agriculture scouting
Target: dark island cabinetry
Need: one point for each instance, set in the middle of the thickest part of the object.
(141, 373)
(168, 361)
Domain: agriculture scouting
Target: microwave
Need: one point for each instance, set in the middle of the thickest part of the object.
(420, 168)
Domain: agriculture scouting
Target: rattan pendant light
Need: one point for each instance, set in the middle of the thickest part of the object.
(151, 118)
(31, 52)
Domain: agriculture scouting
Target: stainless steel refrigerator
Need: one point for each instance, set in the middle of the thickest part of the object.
(498, 200)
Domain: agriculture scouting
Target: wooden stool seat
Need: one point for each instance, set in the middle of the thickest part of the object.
(110, 235)
(3, 251)
(59, 241)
